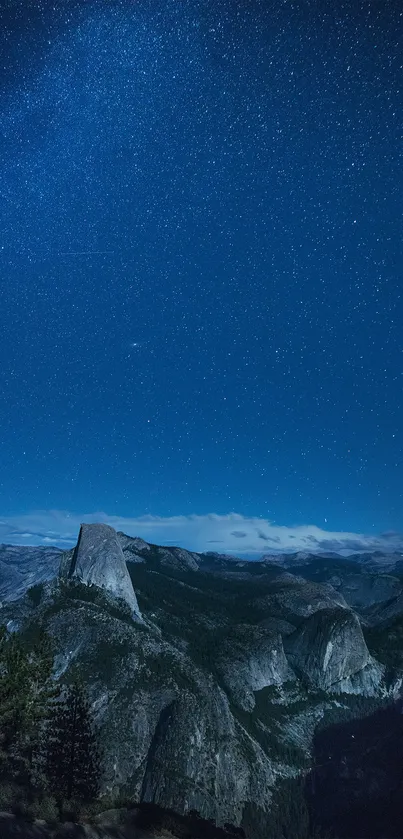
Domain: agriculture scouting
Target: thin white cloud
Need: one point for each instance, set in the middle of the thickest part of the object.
(232, 533)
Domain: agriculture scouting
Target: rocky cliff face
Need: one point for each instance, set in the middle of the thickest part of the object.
(295, 597)
(250, 658)
(178, 559)
(329, 650)
(208, 769)
(98, 560)
(208, 689)
(22, 567)
(363, 590)
(168, 732)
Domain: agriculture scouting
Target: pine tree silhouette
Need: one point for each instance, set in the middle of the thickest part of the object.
(26, 688)
(73, 764)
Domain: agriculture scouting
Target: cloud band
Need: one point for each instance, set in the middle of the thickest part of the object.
(232, 533)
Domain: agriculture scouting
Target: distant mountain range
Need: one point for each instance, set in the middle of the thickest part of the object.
(22, 566)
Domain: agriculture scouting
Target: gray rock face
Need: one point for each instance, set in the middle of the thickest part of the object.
(22, 567)
(376, 561)
(137, 550)
(178, 558)
(132, 543)
(168, 734)
(363, 590)
(382, 613)
(98, 560)
(249, 659)
(329, 650)
(209, 764)
(294, 596)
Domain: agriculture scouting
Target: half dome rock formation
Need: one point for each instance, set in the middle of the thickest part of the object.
(330, 652)
(98, 560)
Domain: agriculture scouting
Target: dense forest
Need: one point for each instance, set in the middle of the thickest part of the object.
(49, 757)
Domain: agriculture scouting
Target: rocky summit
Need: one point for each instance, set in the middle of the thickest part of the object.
(210, 677)
(98, 560)
(330, 652)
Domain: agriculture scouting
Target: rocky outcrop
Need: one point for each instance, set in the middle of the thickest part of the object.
(168, 734)
(201, 759)
(250, 658)
(137, 550)
(363, 590)
(22, 567)
(293, 596)
(383, 613)
(178, 558)
(329, 651)
(133, 543)
(98, 560)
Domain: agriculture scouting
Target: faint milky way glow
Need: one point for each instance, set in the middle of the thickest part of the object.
(223, 182)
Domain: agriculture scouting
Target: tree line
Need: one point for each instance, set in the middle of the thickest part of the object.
(49, 756)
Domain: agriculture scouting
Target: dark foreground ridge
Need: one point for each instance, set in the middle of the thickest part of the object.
(144, 821)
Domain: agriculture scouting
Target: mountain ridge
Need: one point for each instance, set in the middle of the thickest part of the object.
(211, 701)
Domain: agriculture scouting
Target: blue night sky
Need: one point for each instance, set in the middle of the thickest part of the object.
(201, 260)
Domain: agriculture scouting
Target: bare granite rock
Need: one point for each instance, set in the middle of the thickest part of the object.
(178, 558)
(133, 543)
(294, 596)
(98, 560)
(201, 758)
(249, 659)
(22, 567)
(330, 652)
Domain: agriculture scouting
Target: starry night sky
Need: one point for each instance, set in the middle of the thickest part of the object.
(201, 260)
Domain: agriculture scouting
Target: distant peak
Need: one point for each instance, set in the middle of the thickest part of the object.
(98, 560)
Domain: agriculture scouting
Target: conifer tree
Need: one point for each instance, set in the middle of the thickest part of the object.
(13, 697)
(73, 764)
(42, 690)
(25, 689)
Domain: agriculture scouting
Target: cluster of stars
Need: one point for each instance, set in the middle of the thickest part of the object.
(200, 249)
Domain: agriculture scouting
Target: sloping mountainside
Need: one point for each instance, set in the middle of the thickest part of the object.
(210, 676)
(22, 567)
